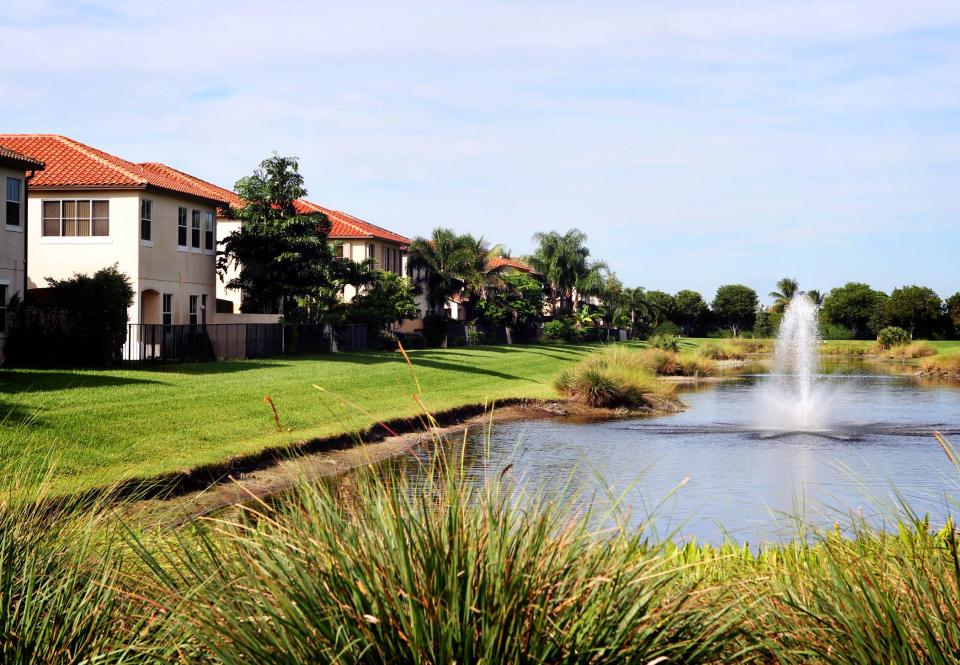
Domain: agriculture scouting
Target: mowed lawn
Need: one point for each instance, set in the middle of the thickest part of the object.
(104, 426)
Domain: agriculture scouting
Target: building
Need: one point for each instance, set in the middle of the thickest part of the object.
(90, 209)
(357, 239)
(15, 173)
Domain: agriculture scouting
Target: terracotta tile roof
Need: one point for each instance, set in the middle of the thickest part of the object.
(70, 163)
(516, 264)
(17, 160)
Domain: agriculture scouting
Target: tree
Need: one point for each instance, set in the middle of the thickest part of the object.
(856, 306)
(691, 311)
(952, 307)
(386, 300)
(917, 309)
(815, 296)
(517, 305)
(663, 306)
(564, 262)
(735, 307)
(447, 263)
(282, 256)
(787, 289)
(638, 306)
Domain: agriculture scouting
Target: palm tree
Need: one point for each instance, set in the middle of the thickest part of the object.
(815, 296)
(564, 262)
(448, 263)
(638, 306)
(788, 289)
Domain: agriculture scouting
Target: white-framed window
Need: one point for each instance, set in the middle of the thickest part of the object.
(14, 198)
(195, 229)
(182, 228)
(203, 309)
(167, 314)
(208, 223)
(3, 308)
(146, 220)
(76, 218)
(192, 311)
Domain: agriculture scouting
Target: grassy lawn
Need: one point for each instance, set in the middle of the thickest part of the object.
(104, 426)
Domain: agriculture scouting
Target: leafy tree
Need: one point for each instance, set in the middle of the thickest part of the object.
(735, 307)
(952, 306)
(664, 307)
(518, 305)
(858, 307)
(691, 311)
(564, 262)
(787, 289)
(815, 296)
(386, 300)
(282, 256)
(917, 309)
(447, 263)
(638, 306)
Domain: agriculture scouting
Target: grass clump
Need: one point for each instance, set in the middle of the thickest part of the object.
(910, 351)
(947, 366)
(856, 349)
(615, 377)
(725, 350)
(669, 363)
(664, 342)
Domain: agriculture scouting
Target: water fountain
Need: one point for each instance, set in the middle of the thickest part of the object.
(791, 399)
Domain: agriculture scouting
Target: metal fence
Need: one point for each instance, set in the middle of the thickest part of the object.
(155, 343)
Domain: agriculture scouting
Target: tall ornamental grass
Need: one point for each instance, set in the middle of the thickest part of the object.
(616, 377)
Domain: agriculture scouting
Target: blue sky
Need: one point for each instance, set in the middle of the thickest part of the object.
(696, 143)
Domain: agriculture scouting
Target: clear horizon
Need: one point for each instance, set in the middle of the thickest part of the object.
(696, 144)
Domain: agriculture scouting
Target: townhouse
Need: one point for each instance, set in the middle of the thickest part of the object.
(90, 209)
(15, 172)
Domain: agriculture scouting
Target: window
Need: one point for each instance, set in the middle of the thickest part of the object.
(385, 258)
(371, 251)
(195, 235)
(203, 309)
(398, 262)
(76, 218)
(208, 231)
(146, 220)
(181, 227)
(193, 310)
(13, 202)
(167, 309)
(3, 307)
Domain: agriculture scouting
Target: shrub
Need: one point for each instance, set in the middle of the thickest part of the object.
(721, 351)
(664, 342)
(835, 331)
(435, 329)
(670, 363)
(80, 321)
(615, 377)
(892, 336)
(668, 328)
(857, 349)
(909, 351)
(562, 330)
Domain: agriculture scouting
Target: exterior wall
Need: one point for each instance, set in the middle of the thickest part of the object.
(357, 250)
(167, 268)
(153, 268)
(12, 243)
(224, 228)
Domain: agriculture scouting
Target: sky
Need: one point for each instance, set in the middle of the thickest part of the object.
(696, 143)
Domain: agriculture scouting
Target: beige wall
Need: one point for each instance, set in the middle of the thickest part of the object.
(224, 228)
(357, 250)
(153, 270)
(12, 243)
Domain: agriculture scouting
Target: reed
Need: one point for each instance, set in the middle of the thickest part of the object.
(616, 377)
(913, 350)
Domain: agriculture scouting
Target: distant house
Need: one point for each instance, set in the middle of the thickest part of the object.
(90, 209)
(357, 239)
(15, 173)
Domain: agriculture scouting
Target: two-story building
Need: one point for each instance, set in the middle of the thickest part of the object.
(15, 173)
(90, 209)
(357, 239)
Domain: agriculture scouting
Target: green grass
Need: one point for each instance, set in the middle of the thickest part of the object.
(104, 426)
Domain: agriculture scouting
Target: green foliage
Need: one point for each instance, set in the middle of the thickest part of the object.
(787, 288)
(892, 336)
(386, 300)
(764, 325)
(857, 307)
(918, 309)
(562, 330)
(435, 329)
(517, 304)
(564, 262)
(691, 312)
(735, 307)
(834, 331)
(663, 308)
(79, 321)
(282, 257)
(448, 263)
(616, 377)
(952, 306)
(664, 342)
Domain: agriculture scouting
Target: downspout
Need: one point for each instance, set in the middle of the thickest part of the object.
(26, 230)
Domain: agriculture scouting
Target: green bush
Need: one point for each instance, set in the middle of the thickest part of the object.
(665, 342)
(668, 328)
(835, 331)
(892, 336)
(562, 330)
(435, 329)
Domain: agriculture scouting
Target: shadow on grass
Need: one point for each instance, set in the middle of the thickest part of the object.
(25, 381)
(224, 366)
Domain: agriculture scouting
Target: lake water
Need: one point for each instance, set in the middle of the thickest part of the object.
(744, 478)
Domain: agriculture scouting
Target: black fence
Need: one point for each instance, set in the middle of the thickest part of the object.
(155, 343)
